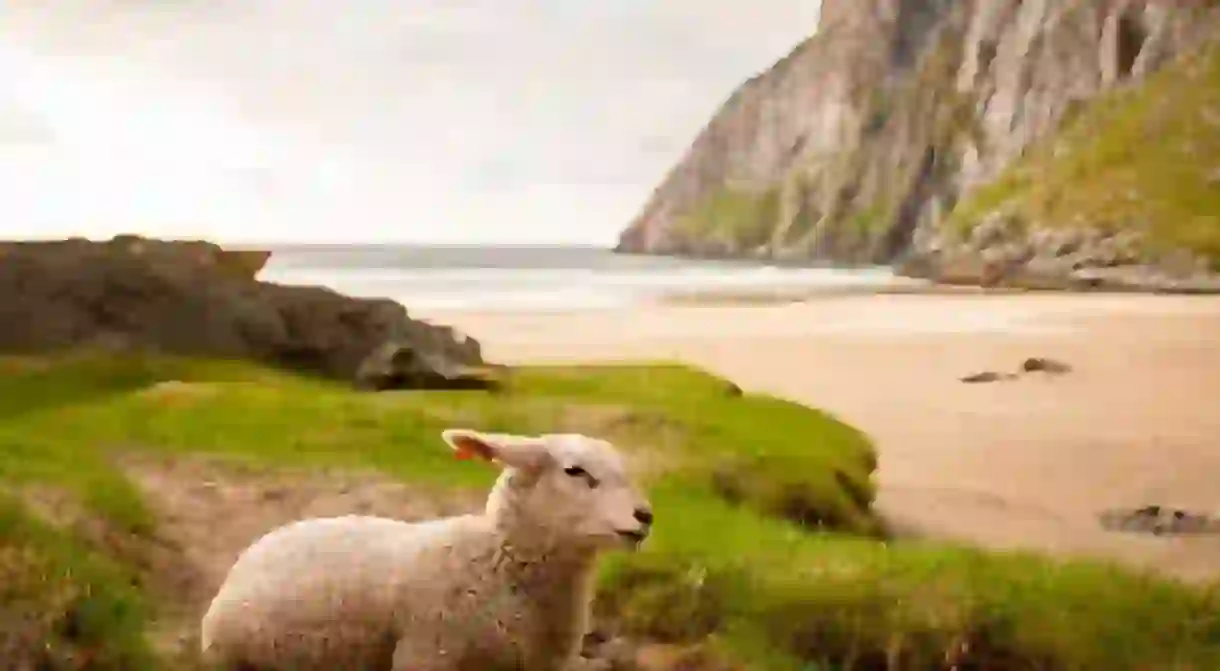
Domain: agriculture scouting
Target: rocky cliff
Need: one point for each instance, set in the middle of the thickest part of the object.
(958, 139)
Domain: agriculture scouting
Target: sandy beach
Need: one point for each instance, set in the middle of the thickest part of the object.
(1025, 463)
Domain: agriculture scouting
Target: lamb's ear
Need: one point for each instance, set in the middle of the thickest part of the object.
(515, 451)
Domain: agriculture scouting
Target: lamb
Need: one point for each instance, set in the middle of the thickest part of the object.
(506, 589)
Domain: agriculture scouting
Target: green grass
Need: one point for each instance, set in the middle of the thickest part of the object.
(1142, 158)
(854, 603)
(765, 551)
(62, 605)
(868, 221)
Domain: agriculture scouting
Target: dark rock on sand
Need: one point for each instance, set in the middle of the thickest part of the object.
(196, 299)
(1040, 364)
(986, 376)
(1158, 520)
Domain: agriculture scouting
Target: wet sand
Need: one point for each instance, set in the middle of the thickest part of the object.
(1026, 463)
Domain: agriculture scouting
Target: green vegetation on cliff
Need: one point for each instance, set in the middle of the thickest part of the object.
(765, 551)
(1144, 158)
(734, 220)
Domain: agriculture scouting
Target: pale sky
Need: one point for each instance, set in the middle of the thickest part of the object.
(448, 121)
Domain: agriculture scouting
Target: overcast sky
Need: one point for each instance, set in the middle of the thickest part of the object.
(498, 121)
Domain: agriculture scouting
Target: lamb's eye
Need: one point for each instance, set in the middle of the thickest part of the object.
(578, 472)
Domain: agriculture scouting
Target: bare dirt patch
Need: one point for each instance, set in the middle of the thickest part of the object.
(49, 504)
(210, 510)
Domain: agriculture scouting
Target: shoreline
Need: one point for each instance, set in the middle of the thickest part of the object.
(973, 270)
(1014, 465)
(783, 295)
(703, 298)
(904, 286)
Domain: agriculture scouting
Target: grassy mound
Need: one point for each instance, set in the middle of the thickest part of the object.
(765, 553)
(1142, 159)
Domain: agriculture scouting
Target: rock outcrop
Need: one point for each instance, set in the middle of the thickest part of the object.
(196, 299)
(244, 264)
(872, 140)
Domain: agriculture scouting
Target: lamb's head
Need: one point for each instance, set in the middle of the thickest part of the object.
(562, 490)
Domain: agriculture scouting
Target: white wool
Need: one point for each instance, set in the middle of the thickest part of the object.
(507, 589)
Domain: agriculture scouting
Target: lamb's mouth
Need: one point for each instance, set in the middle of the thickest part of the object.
(636, 537)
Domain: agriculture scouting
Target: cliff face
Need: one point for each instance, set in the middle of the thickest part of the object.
(862, 145)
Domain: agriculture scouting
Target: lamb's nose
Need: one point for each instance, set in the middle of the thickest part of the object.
(643, 515)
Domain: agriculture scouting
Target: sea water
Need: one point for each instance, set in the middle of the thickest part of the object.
(545, 278)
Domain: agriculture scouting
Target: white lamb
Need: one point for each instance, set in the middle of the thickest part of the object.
(508, 589)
